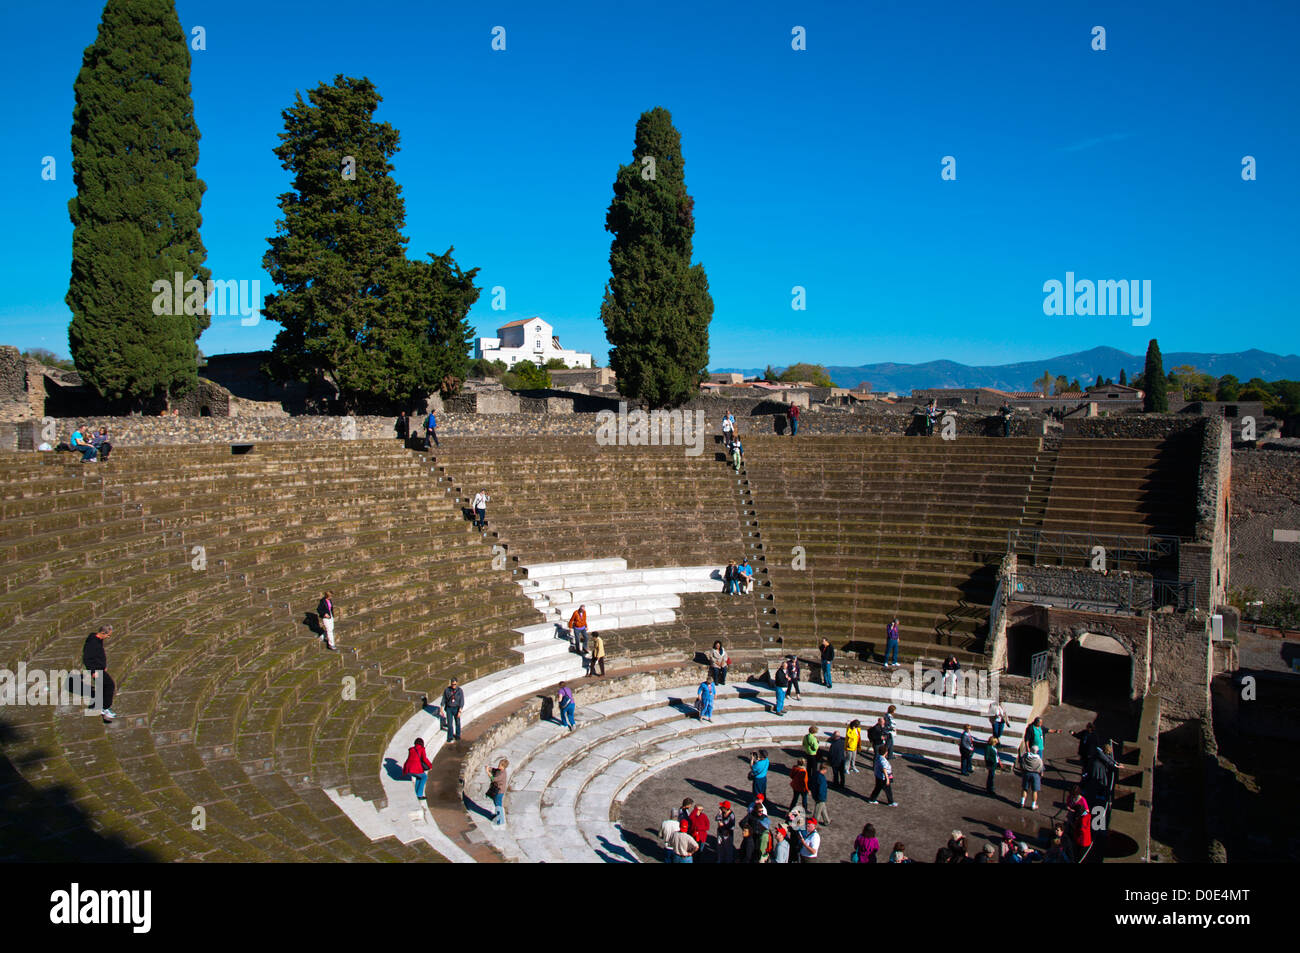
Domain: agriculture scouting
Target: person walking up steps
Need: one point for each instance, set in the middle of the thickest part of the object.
(578, 629)
(453, 700)
(481, 500)
(417, 766)
(431, 430)
(565, 703)
(325, 613)
(597, 656)
(94, 659)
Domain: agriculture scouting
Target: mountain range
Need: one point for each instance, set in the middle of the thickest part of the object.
(1084, 365)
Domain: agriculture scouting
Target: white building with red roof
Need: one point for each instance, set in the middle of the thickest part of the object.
(531, 339)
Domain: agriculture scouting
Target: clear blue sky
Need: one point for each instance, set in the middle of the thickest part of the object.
(817, 168)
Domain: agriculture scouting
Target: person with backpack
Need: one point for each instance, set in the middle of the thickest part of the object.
(417, 766)
(431, 430)
(782, 685)
(966, 747)
(798, 785)
(1031, 781)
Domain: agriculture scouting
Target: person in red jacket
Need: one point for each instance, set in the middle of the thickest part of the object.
(699, 826)
(1079, 823)
(417, 766)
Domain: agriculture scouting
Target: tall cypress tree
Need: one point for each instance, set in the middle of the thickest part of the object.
(1123, 377)
(1155, 387)
(382, 329)
(657, 306)
(135, 217)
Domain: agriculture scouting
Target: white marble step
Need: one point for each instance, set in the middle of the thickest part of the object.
(564, 598)
(538, 651)
(539, 571)
(627, 577)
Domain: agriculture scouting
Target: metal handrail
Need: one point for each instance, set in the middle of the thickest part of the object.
(1058, 545)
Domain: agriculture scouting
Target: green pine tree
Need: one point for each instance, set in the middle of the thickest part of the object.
(1156, 400)
(135, 217)
(384, 330)
(1123, 377)
(657, 306)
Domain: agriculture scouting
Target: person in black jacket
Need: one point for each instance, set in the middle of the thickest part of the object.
(95, 660)
(838, 759)
(403, 428)
(1099, 777)
(876, 737)
(453, 700)
(828, 656)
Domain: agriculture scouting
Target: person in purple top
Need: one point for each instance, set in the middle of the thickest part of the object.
(564, 701)
(891, 644)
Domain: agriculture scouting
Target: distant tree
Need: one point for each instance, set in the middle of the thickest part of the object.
(135, 217)
(1075, 387)
(1123, 377)
(1229, 388)
(1061, 386)
(657, 306)
(1043, 384)
(1156, 400)
(813, 373)
(529, 376)
(770, 375)
(1100, 382)
(49, 359)
(557, 364)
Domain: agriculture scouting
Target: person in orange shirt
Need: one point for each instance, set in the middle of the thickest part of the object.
(578, 629)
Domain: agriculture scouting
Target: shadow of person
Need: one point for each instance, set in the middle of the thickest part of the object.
(395, 770)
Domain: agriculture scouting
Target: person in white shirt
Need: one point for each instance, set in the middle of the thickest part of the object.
(666, 831)
(997, 718)
(727, 430)
(480, 503)
(812, 843)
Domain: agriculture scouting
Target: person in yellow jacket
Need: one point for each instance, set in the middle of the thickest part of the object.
(597, 654)
(852, 738)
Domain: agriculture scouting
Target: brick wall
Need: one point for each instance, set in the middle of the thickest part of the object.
(1181, 662)
(1265, 496)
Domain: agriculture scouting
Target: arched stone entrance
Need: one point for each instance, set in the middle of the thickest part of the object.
(1096, 670)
